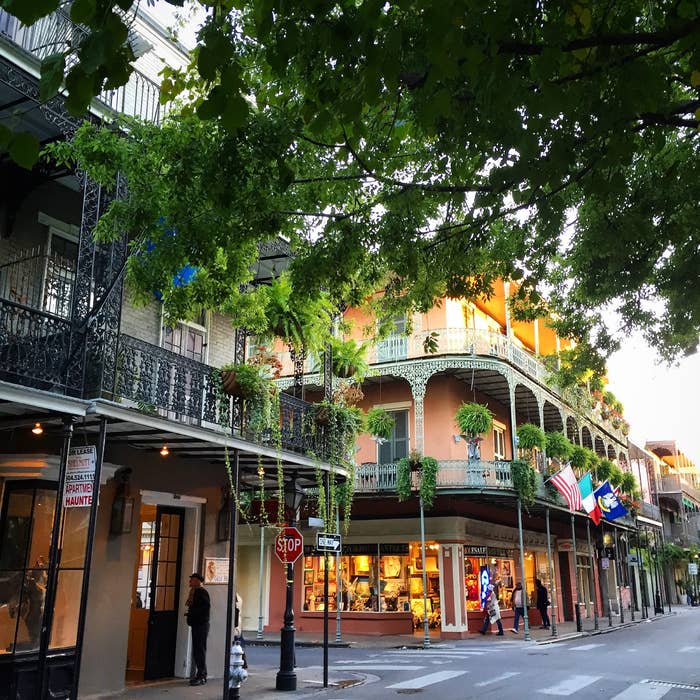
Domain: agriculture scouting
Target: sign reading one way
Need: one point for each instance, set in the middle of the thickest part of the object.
(327, 542)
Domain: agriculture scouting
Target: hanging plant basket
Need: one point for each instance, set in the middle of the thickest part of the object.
(322, 415)
(473, 419)
(230, 383)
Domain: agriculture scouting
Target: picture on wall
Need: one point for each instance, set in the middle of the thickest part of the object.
(308, 577)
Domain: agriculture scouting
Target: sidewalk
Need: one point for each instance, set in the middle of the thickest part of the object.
(261, 682)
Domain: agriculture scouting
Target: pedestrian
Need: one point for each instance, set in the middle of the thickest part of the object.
(493, 612)
(542, 603)
(518, 605)
(198, 609)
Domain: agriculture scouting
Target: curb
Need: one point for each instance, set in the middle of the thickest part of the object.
(276, 643)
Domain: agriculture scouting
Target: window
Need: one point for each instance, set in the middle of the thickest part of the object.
(187, 338)
(59, 273)
(499, 443)
(396, 446)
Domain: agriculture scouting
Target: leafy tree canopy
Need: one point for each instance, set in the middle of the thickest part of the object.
(428, 148)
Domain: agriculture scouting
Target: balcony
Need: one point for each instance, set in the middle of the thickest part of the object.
(140, 97)
(648, 510)
(161, 382)
(676, 484)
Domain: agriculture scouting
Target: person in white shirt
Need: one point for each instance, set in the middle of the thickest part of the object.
(517, 603)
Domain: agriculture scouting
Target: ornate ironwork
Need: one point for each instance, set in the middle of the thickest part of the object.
(34, 346)
(298, 361)
(328, 372)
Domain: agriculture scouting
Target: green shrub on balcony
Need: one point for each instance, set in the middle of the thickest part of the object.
(349, 359)
(530, 436)
(559, 446)
(628, 483)
(473, 419)
(580, 459)
(524, 480)
(616, 475)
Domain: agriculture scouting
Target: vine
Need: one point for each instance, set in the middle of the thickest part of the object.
(524, 481)
(403, 479)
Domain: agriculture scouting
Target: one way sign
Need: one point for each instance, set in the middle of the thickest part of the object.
(327, 542)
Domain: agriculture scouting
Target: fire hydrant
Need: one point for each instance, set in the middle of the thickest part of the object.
(237, 674)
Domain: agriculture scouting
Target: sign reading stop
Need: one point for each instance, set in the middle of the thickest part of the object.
(289, 545)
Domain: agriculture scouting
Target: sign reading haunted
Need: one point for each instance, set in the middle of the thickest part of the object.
(80, 474)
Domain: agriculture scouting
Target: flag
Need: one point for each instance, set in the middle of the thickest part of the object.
(565, 482)
(608, 502)
(590, 505)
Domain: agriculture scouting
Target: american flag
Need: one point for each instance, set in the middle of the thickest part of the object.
(567, 485)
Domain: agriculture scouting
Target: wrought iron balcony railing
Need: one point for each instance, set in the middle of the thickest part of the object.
(140, 97)
(161, 381)
(34, 347)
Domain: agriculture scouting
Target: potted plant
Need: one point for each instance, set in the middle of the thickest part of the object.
(558, 446)
(473, 419)
(379, 423)
(299, 321)
(530, 437)
(524, 480)
(428, 468)
(349, 359)
(243, 380)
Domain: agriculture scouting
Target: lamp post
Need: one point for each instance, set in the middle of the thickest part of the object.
(286, 677)
(426, 630)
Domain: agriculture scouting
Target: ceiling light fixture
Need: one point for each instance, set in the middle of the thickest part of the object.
(164, 451)
(37, 429)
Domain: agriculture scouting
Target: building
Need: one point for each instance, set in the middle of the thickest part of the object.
(115, 438)
(472, 530)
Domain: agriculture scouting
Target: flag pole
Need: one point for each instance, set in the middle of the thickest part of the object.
(577, 612)
(552, 583)
(591, 575)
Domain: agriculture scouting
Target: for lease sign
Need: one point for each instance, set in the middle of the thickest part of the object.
(80, 474)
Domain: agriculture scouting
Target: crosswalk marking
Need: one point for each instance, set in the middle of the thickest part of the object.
(502, 677)
(425, 681)
(687, 649)
(375, 667)
(456, 652)
(571, 685)
(586, 647)
(642, 691)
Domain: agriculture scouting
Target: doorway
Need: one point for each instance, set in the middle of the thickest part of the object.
(153, 625)
(565, 588)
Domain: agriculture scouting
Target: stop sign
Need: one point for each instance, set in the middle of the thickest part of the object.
(289, 545)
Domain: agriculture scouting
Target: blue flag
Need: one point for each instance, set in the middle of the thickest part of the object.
(608, 502)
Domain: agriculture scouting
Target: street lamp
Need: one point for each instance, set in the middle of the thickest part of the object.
(286, 678)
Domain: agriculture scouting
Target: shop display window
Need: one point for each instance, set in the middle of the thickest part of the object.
(371, 578)
(479, 571)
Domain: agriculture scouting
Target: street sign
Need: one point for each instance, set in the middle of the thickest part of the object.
(327, 542)
(692, 568)
(604, 562)
(632, 559)
(289, 545)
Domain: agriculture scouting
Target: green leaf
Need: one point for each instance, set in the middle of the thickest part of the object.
(235, 113)
(83, 11)
(29, 12)
(52, 69)
(24, 149)
(80, 90)
(5, 136)
(207, 62)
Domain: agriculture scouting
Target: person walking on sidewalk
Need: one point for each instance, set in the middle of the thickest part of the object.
(542, 603)
(493, 612)
(198, 609)
(518, 605)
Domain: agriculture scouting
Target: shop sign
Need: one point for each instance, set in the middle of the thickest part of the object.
(604, 563)
(471, 550)
(80, 475)
(372, 549)
(565, 545)
(692, 568)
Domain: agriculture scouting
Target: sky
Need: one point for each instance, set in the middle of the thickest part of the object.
(661, 402)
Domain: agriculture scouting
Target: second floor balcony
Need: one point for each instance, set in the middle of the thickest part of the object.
(139, 97)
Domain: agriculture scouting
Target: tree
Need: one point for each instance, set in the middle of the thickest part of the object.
(432, 148)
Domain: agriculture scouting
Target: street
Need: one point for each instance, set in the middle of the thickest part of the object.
(648, 661)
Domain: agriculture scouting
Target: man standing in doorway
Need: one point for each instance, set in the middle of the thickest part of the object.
(198, 607)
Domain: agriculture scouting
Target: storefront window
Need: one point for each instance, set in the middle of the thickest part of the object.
(484, 565)
(373, 578)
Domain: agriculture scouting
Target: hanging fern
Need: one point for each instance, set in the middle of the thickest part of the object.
(616, 475)
(628, 483)
(524, 481)
(579, 458)
(604, 470)
(530, 436)
(473, 419)
(558, 446)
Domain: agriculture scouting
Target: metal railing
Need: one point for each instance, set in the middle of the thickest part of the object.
(139, 97)
(452, 474)
(163, 382)
(649, 510)
(34, 347)
(675, 483)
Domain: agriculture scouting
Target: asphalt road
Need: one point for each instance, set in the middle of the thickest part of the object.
(648, 661)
